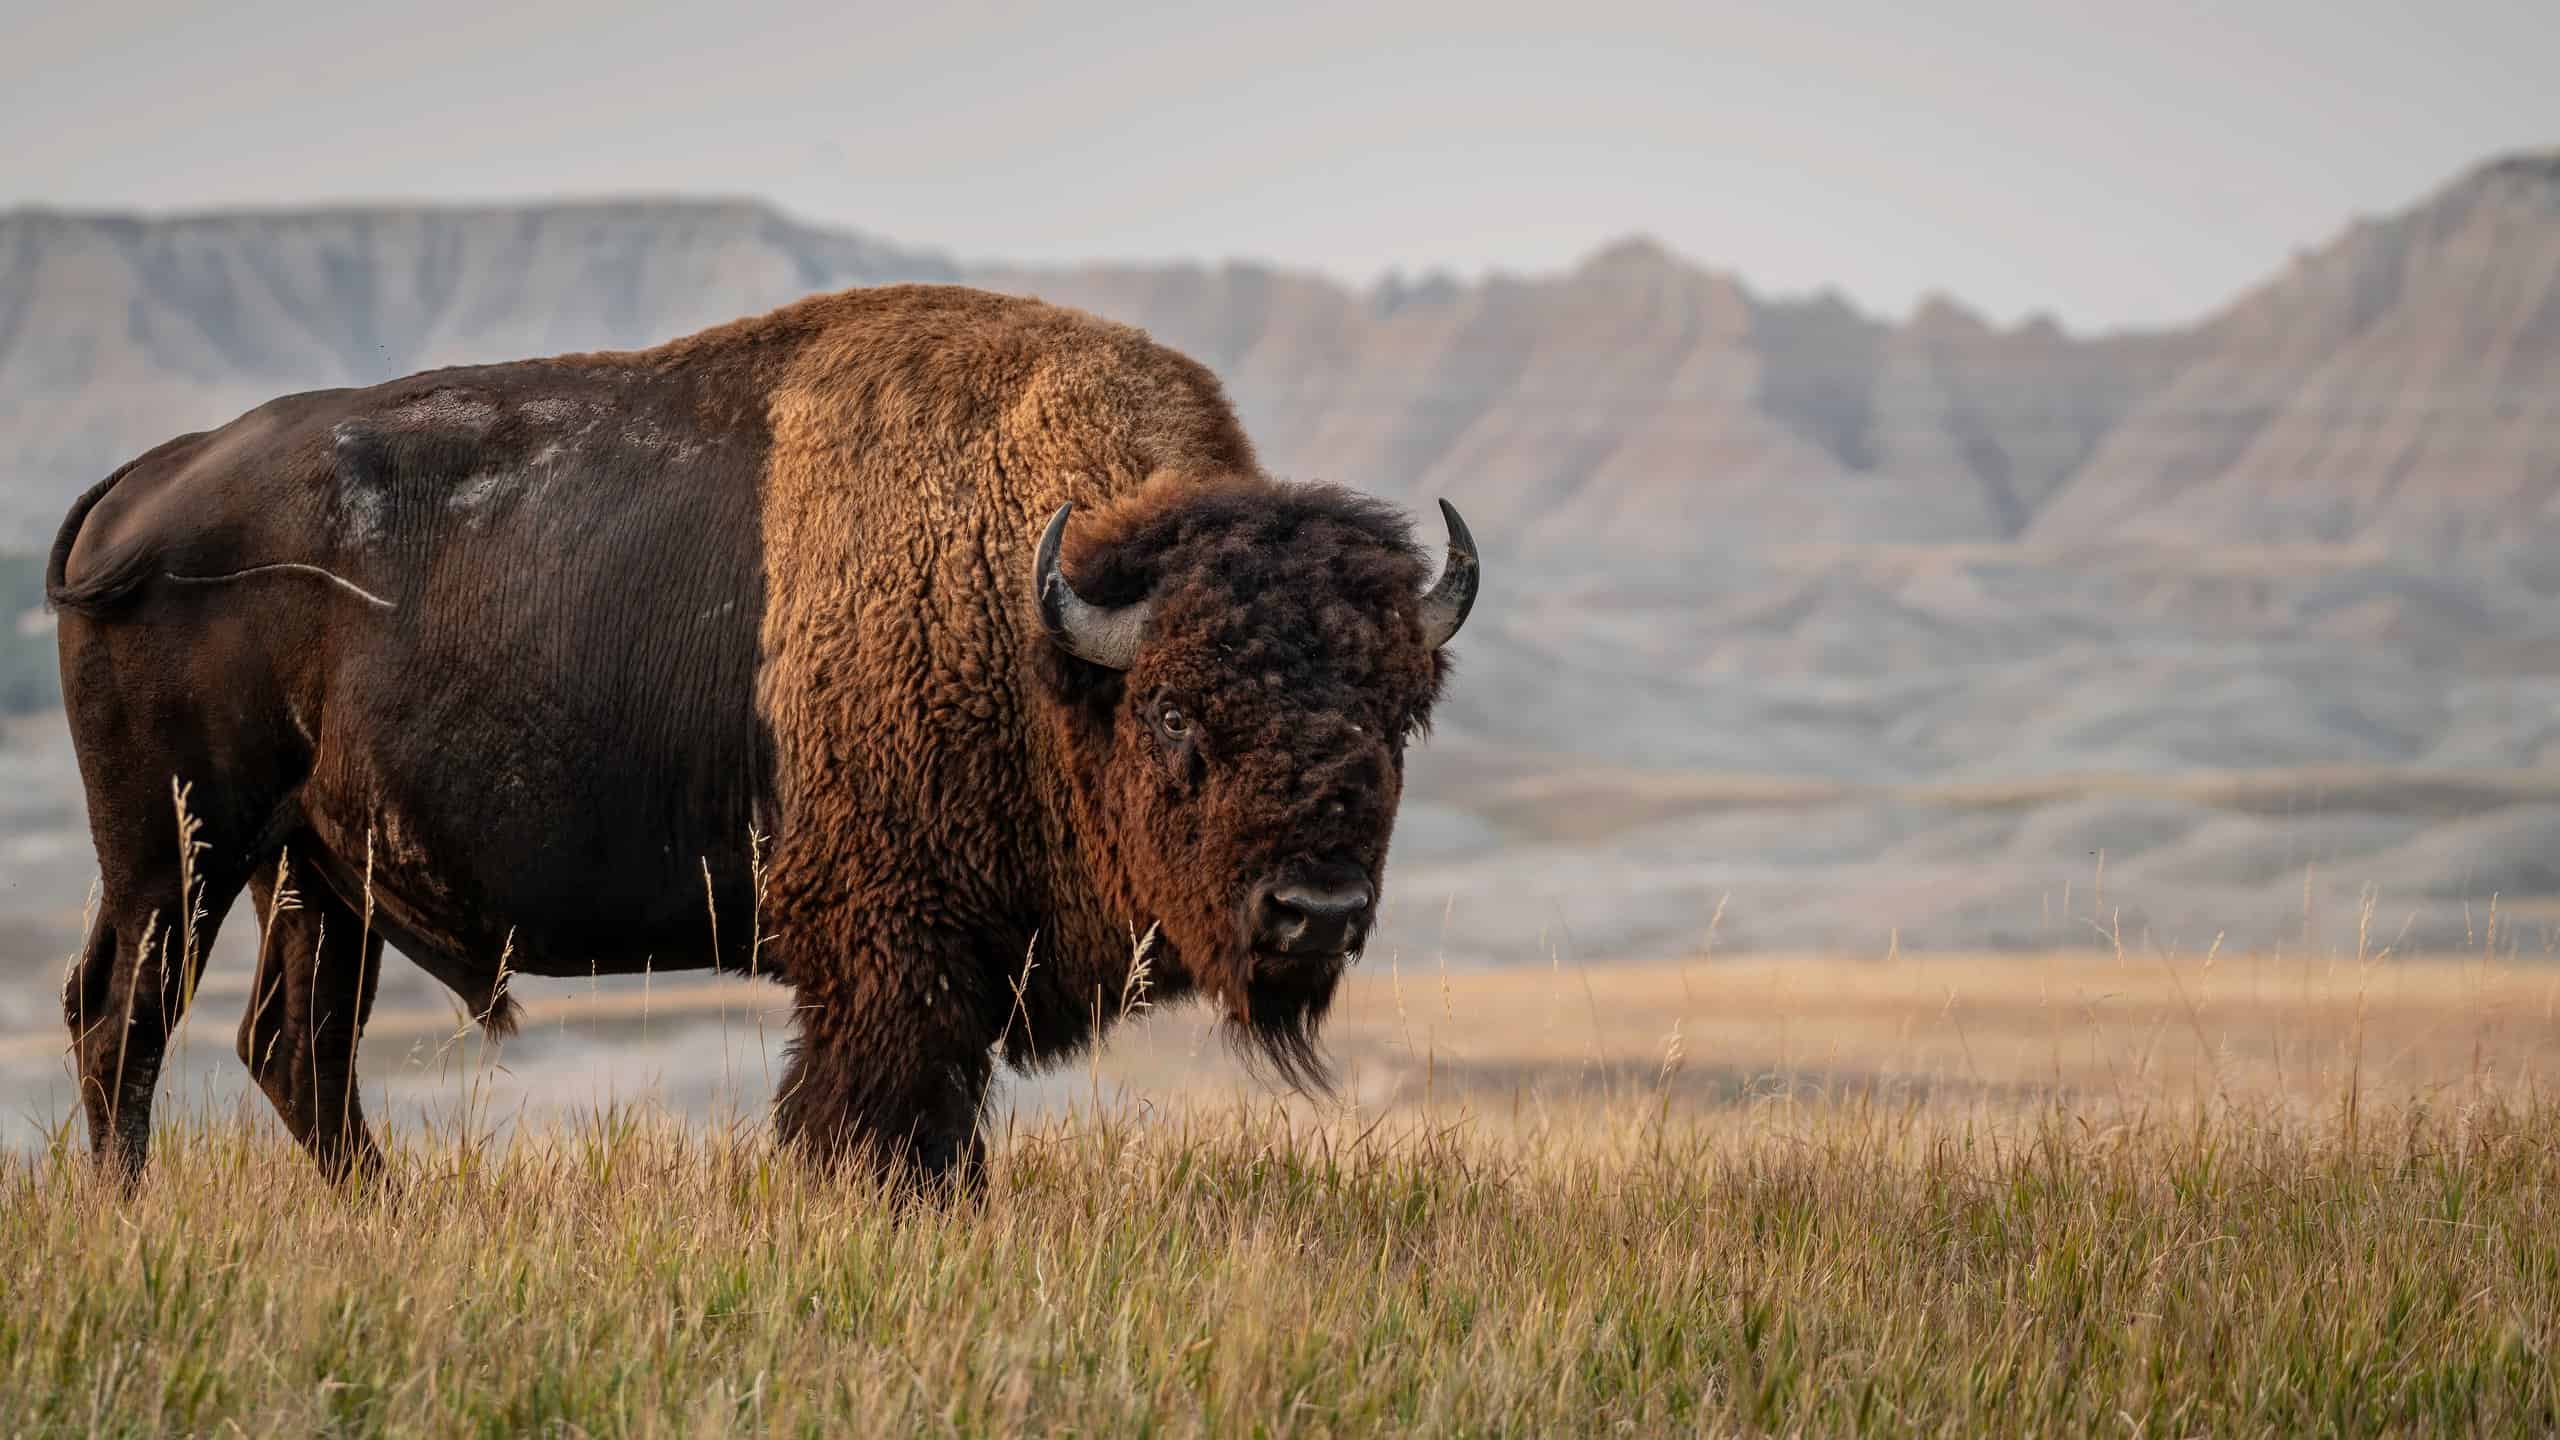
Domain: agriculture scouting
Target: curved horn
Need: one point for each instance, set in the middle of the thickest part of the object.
(1087, 631)
(1446, 603)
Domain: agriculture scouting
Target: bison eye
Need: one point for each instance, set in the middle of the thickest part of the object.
(1176, 725)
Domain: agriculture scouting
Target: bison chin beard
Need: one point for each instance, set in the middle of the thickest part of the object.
(1273, 1029)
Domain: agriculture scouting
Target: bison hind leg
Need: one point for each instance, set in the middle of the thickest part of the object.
(161, 907)
(318, 971)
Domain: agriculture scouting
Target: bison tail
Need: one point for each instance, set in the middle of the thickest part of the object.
(113, 582)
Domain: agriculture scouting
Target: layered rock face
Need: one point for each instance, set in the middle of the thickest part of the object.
(2400, 385)
(2397, 384)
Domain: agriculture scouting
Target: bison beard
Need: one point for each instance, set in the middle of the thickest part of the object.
(981, 610)
(1283, 1006)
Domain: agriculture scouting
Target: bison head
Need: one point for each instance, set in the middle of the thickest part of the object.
(1237, 669)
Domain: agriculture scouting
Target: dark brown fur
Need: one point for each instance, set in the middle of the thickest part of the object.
(531, 646)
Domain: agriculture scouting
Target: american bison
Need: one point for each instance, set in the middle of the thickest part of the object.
(920, 647)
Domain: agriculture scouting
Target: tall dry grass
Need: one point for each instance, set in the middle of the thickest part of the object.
(1809, 1267)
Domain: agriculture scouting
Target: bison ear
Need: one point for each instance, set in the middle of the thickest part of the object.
(1446, 603)
(1105, 636)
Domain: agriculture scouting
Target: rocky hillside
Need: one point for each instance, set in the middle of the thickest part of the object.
(1642, 402)
(2402, 383)
(1874, 629)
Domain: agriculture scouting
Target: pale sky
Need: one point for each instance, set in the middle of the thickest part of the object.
(2113, 164)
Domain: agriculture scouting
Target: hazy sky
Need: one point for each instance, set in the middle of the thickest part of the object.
(2138, 165)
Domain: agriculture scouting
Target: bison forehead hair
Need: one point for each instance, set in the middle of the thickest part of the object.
(1258, 737)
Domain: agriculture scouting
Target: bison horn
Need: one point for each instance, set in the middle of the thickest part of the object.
(1105, 636)
(1446, 603)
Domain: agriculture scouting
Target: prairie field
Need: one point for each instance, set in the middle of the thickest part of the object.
(2073, 1193)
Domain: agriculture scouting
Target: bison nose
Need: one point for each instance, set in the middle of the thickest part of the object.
(1312, 920)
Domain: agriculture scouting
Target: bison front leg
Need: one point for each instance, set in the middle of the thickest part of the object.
(888, 1078)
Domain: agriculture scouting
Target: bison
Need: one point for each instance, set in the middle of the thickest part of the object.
(922, 648)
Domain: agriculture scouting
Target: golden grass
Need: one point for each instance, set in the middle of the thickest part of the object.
(1826, 1269)
(2100, 1031)
(1957, 1195)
